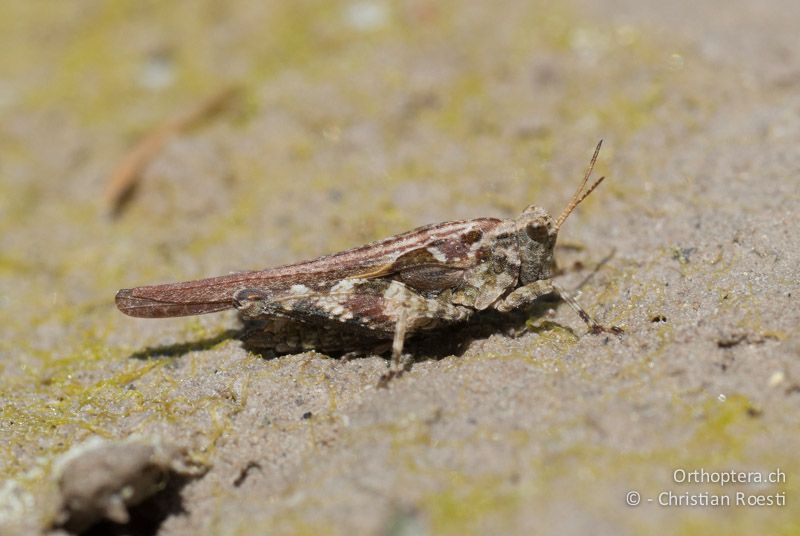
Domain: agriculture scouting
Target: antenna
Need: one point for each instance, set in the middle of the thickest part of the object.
(579, 195)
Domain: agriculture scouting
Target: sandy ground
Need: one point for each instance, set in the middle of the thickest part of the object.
(357, 121)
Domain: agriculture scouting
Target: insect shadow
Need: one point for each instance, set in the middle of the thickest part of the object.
(434, 345)
(181, 348)
(446, 341)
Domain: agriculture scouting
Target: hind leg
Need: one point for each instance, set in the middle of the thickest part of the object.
(375, 309)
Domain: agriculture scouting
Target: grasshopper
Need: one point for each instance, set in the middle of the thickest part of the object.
(388, 290)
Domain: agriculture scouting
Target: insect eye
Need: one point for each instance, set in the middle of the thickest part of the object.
(536, 232)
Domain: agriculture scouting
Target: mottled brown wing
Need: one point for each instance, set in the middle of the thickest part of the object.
(421, 270)
(429, 257)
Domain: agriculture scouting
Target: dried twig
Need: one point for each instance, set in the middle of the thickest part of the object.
(129, 171)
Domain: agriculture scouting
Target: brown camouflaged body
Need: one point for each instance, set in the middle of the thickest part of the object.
(440, 274)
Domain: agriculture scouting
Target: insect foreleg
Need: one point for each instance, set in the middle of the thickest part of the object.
(525, 295)
(594, 327)
(532, 291)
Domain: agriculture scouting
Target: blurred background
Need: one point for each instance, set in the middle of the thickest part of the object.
(146, 142)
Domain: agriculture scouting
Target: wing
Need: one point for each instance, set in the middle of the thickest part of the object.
(427, 258)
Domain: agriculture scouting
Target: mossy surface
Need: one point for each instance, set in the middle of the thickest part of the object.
(358, 120)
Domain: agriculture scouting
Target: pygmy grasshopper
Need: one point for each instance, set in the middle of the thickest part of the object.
(422, 280)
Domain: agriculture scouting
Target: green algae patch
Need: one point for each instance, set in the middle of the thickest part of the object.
(725, 436)
(552, 334)
(63, 405)
(728, 424)
(470, 505)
